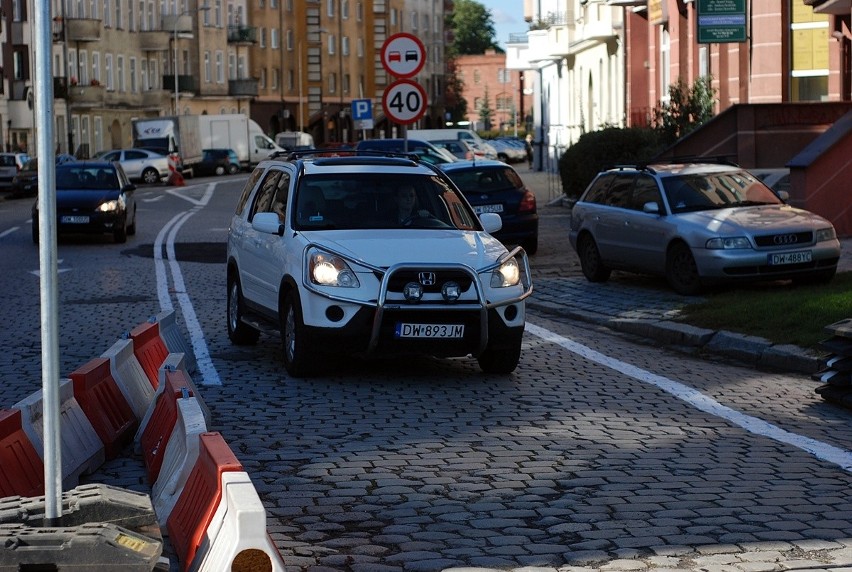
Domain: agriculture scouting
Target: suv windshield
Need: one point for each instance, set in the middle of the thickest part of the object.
(371, 200)
(696, 192)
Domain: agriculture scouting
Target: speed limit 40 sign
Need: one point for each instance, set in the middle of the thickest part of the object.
(404, 101)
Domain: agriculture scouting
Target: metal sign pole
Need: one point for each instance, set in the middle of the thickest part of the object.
(48, 290)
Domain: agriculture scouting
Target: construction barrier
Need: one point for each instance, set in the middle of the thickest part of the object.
(154, 436)
(82, 450)
(179, 458)
(21, 467)
(236, 538)
(173, 362)
(201, 496)
(92, 546)
(149, 349)
(105, 406)
(174, 340)
(175, 176)
(130, 377)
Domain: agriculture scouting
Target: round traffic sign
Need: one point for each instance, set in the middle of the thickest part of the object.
(403, 55)
(404, 101)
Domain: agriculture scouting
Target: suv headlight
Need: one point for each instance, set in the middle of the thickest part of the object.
(824, 234)
(729, 243)
(331, 270)
(507, 274)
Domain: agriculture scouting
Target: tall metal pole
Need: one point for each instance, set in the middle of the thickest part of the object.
(301, 101)
(48, 289)
(340, 60)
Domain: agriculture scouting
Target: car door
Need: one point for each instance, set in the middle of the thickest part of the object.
(133, 163)
(260, 273)
(643, 235)
(610, 219)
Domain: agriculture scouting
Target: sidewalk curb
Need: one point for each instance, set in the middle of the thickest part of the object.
(751, 350)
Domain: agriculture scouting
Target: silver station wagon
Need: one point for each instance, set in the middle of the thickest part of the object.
(698, 224)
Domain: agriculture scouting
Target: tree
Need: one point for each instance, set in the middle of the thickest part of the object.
(485, 111)
(473, 29)
(455, 104)
(687, 108)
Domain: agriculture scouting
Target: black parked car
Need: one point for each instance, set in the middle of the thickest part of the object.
(218, 162)
(25, 183)
(92, 197)
(495, 187)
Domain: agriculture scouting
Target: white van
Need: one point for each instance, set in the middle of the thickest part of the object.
(471, 137)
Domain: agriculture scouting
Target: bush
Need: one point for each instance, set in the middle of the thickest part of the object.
(599, 150)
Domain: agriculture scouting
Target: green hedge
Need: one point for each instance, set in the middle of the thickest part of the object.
(599, 150)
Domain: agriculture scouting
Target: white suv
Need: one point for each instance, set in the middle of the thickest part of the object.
(318, 251)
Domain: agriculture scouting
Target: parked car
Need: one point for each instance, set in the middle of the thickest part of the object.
(317, 252)
(697, 224)
(10, 164)
(142, 165)
(25, 183)
(218, 162)
(92, 197)
(508, 151)
(460, 149)
(495, 187)
(776, 179)
(424, 149)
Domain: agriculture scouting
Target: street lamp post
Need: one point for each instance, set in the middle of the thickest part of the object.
(175, 40)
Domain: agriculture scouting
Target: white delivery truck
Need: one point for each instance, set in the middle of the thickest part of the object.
(176, 135)
(294, 140)
(238, 132)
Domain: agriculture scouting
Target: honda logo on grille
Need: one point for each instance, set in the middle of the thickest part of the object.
(785, 239)
(427, 278)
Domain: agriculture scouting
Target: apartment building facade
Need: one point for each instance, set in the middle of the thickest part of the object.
(287, 64)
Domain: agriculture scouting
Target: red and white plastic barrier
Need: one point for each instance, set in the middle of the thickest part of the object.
(82, 449)
(173, 338)
(179, 458)
(130, 377)
(236, 538)
(21, 467)
(104, 405)
(149, 349)
(175, 176)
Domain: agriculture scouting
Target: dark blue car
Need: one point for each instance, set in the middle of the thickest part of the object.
(92, 197)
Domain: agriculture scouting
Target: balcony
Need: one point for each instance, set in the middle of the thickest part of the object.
(82, 29)
(242, 35)
(156, 98)
(88, 95)
(186, 83)
(246, 87)
(181, 24)
(154, 40)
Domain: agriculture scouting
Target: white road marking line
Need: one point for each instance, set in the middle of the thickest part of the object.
(209, 374)
(820, 450)
(7, 232)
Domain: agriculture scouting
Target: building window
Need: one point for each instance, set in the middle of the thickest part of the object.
(208, 73)
(332, 83)
(291, 83)
(274, 40)
(344, 47)
(290, 42)
(119, 72)
(118, 14)
(96, 66)
(134, 84)
(344, 9)
(261, 37)
(232, 65)
(330, 7)
(360, 47)
(810, 65)
(84, 68)
(261, 82)
(220, 71)
(276, 76)
(332, 41)
(108, 72)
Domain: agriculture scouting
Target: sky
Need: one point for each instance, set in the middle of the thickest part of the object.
(508, 16)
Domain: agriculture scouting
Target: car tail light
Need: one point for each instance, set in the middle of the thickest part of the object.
(527, 202)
